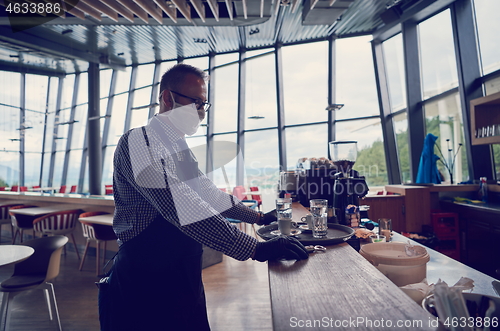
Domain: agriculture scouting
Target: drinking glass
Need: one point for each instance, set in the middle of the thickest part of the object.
(284, 214)
(320, 226)
(318, 207)
(385, 227)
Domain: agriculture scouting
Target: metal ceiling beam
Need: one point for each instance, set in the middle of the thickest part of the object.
(98, 6)
(84, 8)
(200, 9)
(229, 5)
(152, 9)
(30, 69)
(295, 5)
(136, 9)
(171, 11)
(184, 8)
(54, 44)
(77, 12)
(214, 7)
(125, 12)
(245, 8)
(418, 12)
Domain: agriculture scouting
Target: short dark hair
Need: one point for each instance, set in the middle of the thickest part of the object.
(175, 76)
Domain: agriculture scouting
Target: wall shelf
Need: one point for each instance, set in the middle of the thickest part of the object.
(485, 111)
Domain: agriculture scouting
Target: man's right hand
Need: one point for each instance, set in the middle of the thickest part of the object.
(280, 248)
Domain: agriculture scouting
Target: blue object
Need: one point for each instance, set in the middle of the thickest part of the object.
(427, 169)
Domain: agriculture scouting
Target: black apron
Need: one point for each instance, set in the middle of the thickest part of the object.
(156, 279)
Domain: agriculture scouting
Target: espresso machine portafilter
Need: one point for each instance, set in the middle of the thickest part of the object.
(349, 186)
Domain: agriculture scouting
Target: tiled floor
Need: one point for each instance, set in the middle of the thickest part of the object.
(237, 297)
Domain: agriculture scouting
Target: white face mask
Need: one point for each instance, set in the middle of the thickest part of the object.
(184, 117)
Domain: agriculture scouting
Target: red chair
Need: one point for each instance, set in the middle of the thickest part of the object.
(256, 197)
(62, 189)
(5, 217)
(108, 189)
(238, 192)
(73, 189)
(21, 222)
(14, 188)
(23, 189)
(59, 223)
(98, 233)
(2, 188)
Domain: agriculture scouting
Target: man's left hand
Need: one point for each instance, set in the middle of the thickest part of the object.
(267, 218)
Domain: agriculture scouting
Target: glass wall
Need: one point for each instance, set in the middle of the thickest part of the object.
(47, 128)
(444, 114)
(395, 74)
(225, 105)
(356, 89)
(488, 28)
(260, 90)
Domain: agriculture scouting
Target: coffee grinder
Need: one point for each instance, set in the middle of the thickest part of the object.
(349, 186)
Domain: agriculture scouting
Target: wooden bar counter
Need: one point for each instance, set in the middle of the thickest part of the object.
(339, 289)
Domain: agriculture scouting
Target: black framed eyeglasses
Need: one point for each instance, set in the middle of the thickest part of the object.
(199, 104)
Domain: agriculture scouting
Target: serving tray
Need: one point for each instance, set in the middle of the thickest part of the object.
(336, 234)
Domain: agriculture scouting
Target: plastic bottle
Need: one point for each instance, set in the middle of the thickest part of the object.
(483, 189)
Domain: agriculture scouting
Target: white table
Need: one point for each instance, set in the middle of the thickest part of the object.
(14, 253)
(106, 219)
(39, 211)
(252, 193)
(43, 189)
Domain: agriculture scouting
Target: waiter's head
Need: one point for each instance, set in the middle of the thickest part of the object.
(183, 84)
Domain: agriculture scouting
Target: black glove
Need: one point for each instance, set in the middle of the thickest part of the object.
(267, 218)
(280, 248)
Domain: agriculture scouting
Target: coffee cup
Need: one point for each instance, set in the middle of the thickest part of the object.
(285, 225)
(309, 220)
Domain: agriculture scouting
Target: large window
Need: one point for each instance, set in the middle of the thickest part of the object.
(488, 29)
(262, 164)
(9, 143)
(225, 105)
(395, 74)
(444, 115)
(306, 141)
(224, 171)
(260, 90)
(371, 156)
(444, 119)
(401, 132)
(355, 79)
(355, 88)
(437, 55)
(305, 83)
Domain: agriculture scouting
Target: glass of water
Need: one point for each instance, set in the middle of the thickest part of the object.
(318, 206)
(318, 209)
(320, 226)
(284, 208)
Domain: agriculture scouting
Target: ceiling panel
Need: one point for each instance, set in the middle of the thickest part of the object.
(122, 42)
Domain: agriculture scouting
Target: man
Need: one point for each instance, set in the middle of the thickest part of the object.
(165, 209)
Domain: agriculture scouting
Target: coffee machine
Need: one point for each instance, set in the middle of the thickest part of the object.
(348, 185)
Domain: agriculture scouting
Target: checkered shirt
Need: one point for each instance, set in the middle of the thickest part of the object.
(146, 185)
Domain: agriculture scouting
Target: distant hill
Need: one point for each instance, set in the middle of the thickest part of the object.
(8, 175)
